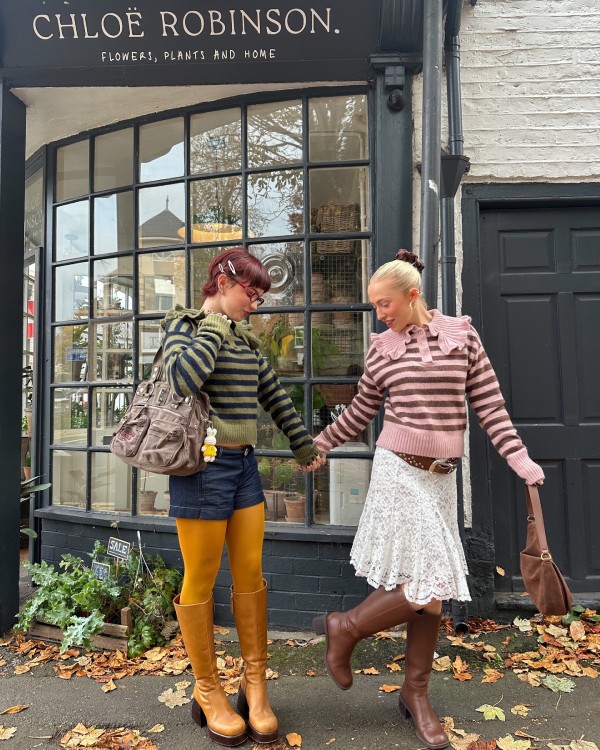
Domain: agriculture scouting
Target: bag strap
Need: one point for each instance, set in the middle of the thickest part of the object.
(534, 510)
(157, 362)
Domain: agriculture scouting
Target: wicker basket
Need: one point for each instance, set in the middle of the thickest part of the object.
(335, 217)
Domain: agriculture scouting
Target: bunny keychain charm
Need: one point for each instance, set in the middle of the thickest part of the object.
(209, 448)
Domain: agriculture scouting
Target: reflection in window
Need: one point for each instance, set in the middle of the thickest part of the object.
(339, 199)
(281, 344)
(34, 211)
(341, 486)
(72, 171)
(153, 494)
(275, 203)
(69, 416)
(69, 477)
(110, 484)
(72, 230)
(113, 287)
(161, 278)
(337, 128)
(113, 223)
(274, 134)
(162, 215)
(111, 348)
(201, 258)
(70, 353)
(340, 346)
(109, 407)
(161, 150)
(215, 141)
(284, 488)
(285, 263)
(113, 160)
(216, 209)
(150, 337)
(72, 285)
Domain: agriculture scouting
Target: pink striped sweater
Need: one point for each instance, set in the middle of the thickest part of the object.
(427, 371)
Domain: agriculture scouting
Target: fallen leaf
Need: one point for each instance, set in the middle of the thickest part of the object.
(460, 667)
(291, 643)
(156, 729)
(369, 670)
(220, 630)
(182, 685)
(389, 688)
(271, 674)
(500, 571)
(442, 663)
(311, 673)
(482, 745)
(577, 630)
(6, 732)
(509, 743)
(583, 745)
(523, 625)
(294, 740)
(491, 712)
(172, 698)
(557, 684)
(492, 675)
(459, 739)
(383, 634)
(331, 741)
(13, 710)
(22, 668)
(520, 709)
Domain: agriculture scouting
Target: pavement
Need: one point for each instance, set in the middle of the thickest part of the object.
(363, 718)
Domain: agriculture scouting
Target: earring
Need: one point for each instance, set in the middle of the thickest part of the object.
(411, 304)
(221, 290)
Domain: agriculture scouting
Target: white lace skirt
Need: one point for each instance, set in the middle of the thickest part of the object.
(408, 532)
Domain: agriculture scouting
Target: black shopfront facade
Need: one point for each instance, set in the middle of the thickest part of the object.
(293, 138)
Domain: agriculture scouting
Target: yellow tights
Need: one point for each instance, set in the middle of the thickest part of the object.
(201, 545)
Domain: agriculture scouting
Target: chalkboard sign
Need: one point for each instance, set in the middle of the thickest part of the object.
(100, 570)
(118, 548)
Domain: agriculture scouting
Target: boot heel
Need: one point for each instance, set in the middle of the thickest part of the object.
(198, 714)
(403, 708)
(242, 706)
(320, 625)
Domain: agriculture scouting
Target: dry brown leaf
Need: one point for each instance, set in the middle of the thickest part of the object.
(270, 674)
(109, 687)
(369, 670)
(577, 630)
(442, 663)
(310, 673)
(394, 667)
(482, 745)
(389, 688)
(172, 698)
(399, 657)
(22, 668)
(459, 739)
(156, 729)
(509, 743)
(492, 675)
(291, 643)
(382, 634)
(521, 709)
(13, 710)
(293, 739)
(582, 745)
(331, 741)
(500, 571)
(220, 630)
(182, 685)
(2, 662)
(460, 667)
(6, 732)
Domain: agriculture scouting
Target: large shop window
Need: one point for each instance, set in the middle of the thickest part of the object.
(139, 213)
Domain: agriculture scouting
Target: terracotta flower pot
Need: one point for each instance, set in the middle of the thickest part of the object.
(294, 508)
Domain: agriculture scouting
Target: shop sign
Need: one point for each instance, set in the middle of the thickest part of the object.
(118, 548)
(100, 570)
(154, 33)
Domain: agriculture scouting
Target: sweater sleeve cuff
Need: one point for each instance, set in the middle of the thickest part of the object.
(524, 467)
(216, 323)
(322, 444)
(306, 454)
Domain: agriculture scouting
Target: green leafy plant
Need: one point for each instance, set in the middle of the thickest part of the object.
(73, 599)
(28, 487)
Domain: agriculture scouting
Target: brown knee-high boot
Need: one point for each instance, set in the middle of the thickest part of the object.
(210, 705)
(343, 630)
(421, 639)
(253, 703)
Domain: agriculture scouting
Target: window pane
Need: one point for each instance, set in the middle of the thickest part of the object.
(201, 258)
(72, 230)
(72, 171)
(270, 437)
(109, 406)
(153, 494)
(285, 264)
(70, 416)
(110, 484)
(70, 353)
(34, 211)
(150, 336)
(161, 279)
(216, 209)
(215, 141)
(284, 488)
(113, 161)
(329, 401)
(161, 150)
(275, 203)
(69, 478)
(274, 134)
(113, 287)
(113, 223)
(111, 350)
(281, 343)
(337, 128)
(341, 487)
(72, 289)
(340, 348)
(340, 271)
(339, 199)
(162, 215)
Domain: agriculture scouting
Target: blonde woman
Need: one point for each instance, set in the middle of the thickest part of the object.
(407, 545)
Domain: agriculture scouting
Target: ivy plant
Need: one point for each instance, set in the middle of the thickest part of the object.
(73, 599)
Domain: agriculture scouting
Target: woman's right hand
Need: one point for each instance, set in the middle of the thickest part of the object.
(315, 464)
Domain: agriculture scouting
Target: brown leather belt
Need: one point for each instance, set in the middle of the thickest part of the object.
(432, 465)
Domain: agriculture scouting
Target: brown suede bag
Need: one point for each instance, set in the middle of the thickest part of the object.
(543, 580)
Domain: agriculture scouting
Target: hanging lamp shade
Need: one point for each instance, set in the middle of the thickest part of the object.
(212, 232)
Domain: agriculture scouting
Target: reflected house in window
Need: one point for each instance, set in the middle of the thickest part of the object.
(162, 274)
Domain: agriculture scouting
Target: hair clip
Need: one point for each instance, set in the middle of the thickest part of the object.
(231, 267)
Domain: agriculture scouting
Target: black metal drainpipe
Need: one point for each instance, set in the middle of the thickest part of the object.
(460, 610)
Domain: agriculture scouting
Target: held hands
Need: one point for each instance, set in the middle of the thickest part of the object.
(316, 463)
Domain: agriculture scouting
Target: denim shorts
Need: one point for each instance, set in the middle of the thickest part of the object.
(228, 483)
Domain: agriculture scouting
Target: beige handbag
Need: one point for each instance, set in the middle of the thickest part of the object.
(162, 432)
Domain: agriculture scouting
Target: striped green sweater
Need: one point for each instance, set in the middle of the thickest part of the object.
(223, 360)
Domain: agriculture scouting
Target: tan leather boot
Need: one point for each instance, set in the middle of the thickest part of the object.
(343, 630)
(210, 706)
(421, 639)
(253, 703)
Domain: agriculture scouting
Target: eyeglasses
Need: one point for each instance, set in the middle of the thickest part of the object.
(252, 294)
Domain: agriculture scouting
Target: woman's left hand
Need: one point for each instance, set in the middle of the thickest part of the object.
(316, 463)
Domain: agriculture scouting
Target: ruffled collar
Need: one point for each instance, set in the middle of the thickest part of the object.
(450, 332)
(240, 328)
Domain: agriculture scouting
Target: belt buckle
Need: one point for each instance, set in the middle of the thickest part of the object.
(443, 463)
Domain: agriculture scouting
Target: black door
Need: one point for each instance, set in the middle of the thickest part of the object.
(540, 306)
